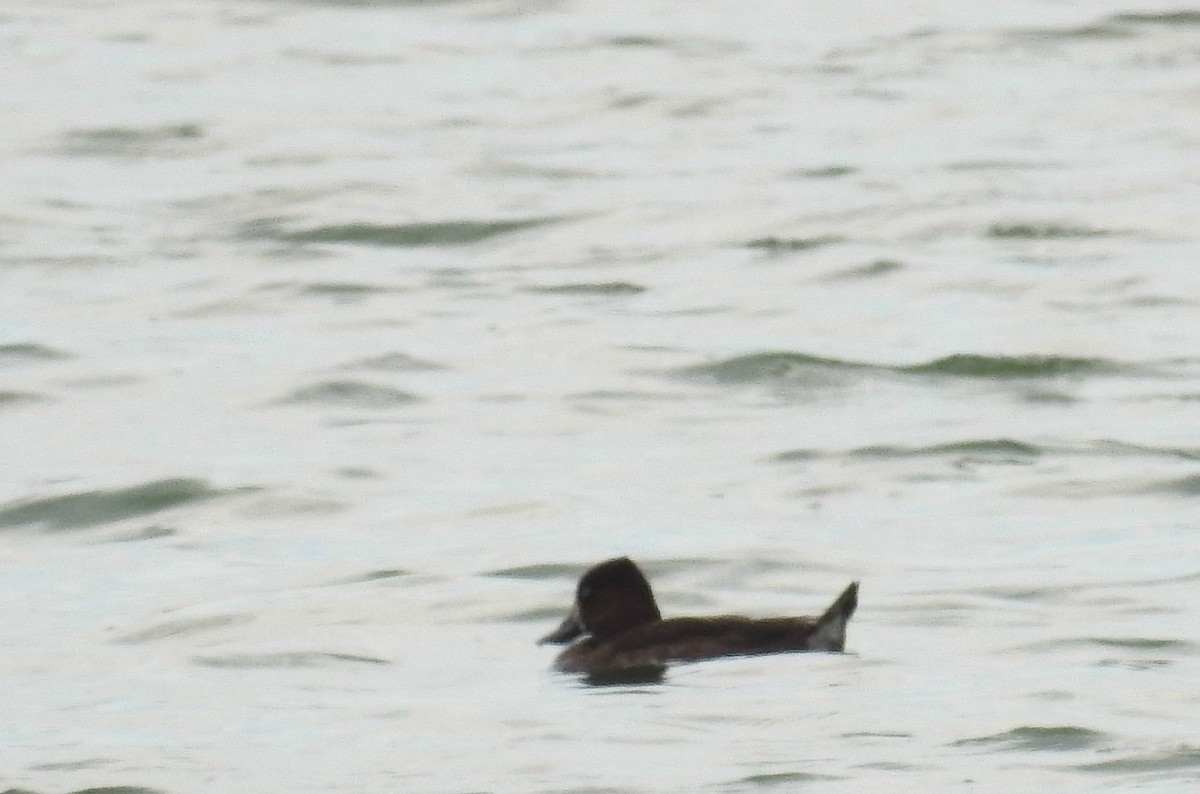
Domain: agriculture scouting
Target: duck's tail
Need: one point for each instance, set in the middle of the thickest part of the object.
(829, 633)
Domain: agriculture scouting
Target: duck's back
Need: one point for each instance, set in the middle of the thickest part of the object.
(655, 642)
(691, 639)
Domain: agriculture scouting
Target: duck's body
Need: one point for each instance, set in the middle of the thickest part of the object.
(616, 611)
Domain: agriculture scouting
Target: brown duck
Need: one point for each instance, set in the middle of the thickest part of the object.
(615, 626)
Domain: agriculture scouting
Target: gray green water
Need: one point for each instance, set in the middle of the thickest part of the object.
(336, 339)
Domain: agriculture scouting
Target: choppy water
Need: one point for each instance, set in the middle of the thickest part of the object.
(337, 338)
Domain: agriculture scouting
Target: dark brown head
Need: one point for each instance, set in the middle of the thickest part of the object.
(612, 598)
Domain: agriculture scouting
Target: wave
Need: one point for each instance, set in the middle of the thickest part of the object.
(167, 140)
(405, 235)
(1174, 18)
(1012, 448)
(182, 627)
(20, 352)
(1185, 757)
(789, 245)
(295, 659)
(396, 362)
(92, 508)
(351, 394)
(13, 398)
(999, 447)
(783, 366)
(970, 365)
(775, 366)
(1042, 231)
(1038, 737)
(588, 288)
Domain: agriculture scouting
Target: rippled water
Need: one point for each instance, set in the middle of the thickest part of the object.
(337, 338)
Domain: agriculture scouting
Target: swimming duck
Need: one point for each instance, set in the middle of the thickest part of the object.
(615, 626)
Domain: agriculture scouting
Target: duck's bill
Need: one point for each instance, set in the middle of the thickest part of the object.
(568, 630)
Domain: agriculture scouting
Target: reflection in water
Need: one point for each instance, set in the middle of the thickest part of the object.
(647, 674)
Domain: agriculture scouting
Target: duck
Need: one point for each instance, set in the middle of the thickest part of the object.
(615, 628)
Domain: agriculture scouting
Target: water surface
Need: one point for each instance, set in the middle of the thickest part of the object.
(338, 338)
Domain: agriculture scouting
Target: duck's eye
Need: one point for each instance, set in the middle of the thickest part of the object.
(584, 591)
